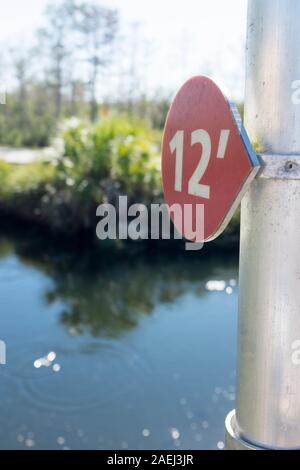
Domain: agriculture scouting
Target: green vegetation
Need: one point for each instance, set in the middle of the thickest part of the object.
(17, 181)
(116, 156)
(30, 123)
(99, 162)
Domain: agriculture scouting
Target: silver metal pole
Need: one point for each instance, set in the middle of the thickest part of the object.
(268, 373)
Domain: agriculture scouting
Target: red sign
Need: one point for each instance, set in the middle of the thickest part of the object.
(207, 158)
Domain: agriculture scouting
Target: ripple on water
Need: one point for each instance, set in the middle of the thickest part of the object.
(30, 361)
(86, 378)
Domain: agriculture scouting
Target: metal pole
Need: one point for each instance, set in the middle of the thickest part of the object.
(268, 373)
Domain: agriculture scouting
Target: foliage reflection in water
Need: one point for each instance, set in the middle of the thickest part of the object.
(114, 353)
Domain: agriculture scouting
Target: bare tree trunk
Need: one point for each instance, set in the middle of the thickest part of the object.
(58, 90)
(93, 91)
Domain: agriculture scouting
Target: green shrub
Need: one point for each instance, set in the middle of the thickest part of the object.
(115, 156)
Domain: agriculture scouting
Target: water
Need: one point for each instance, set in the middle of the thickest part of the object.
(132, 354)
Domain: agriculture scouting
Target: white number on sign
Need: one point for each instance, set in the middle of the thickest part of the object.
(195, 188)
(200, 136)
(176, 144)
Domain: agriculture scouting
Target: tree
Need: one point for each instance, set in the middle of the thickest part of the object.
(55, 41)
(21, 63)
(3, 67)
(97, 26)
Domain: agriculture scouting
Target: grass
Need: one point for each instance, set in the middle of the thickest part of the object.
(24, 179)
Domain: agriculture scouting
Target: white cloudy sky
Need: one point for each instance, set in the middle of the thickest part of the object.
(180, 37)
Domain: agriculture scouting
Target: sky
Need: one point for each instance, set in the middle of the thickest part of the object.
(175, 38)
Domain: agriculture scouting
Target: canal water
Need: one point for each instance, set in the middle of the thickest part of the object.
(128, 353)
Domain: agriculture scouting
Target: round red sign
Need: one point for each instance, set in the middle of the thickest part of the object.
(207, 160)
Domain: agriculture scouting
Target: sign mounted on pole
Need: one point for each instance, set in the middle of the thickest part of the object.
(207, 158)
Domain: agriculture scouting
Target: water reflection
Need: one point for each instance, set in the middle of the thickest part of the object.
(104, 296)
(114, 352)
(112, 301)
